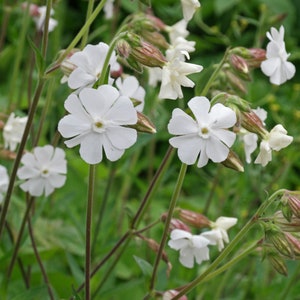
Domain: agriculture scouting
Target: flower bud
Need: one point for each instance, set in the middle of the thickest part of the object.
(277, 262)
(143, 124)
(292, 199)
(233, 162)
(175, 223)
(251, 122)
(275, 236)
(194, 219)
(252, 56)
(290, 226)
(235, 82)
(234, 102)
(295, 244)
(168, 295)
(239, 65)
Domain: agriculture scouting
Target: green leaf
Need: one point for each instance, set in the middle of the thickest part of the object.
(221, 6)
(144, 266)
(40, 62)
(35, 293)
(146, 2)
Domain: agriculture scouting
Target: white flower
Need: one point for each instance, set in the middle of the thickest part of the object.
(177, 30)
(154, 76)
(180, 47)
(97, 121)
(13, 131)
(109, 9)
(188, 8)
(174, 76)
(89, 63)
(4, 179)
(40, 16)
(276, 65)
(218, 235)
(130, 87)
(44, 170)
(206, 137)
(276, 140)
(191, 247)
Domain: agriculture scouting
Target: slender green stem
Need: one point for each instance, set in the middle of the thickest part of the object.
(214, 74)
(46, 29)
(88, 228)
(88, 14)
(231, 245)
(39, 260)
(19, 238)
(167, 224)
(20, 154)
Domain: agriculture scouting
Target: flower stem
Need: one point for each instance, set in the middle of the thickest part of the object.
(88, 14)
(231, 245)
(88, 226)
(46, 28)
(167, 224)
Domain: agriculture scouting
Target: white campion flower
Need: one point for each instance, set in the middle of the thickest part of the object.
(190, 246)
(97, 122)
(276, 140)
(188, 8)
(177, 30)
(109, 9)
(182, 46)
(174, 75)
(13, 131)
(4, 180)
(130, 87)
(154, 75)
(39, 19)
(218, 235)
(206, 137)
(276, 65)
(88, 65)
(43, 170)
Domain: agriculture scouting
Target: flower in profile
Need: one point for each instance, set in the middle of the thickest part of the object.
(130, 87)
(192, 247)
(43, 170)
(276, 140)
(207, 137)
(4, 179)
(174, 75)
(276, 65)
(218, 235)
(179, 29)
(88, 65)
(188, 8)
(13, 131)
(97, 122)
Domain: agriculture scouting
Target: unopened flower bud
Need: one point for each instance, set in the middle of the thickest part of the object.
(295, 244)
(290, 226)
(143, 124)
(170, 294)
(275, 236)
(251, 122)
(235, 82)
(292, 199)
(234, 102)
(233, 162)
(239, 65)
(175, 223)
(277, 262)
(194, 219)
(253, 56)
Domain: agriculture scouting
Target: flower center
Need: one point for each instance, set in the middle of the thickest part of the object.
(98, 126)
(204, 132)
(45, 172)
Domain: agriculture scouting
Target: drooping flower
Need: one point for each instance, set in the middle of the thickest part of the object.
(4, 179)
(276, 140)
(43, 170)
(206, 137)
(174, 75)
(88, 65)
(276, 65)
(97, 122)
(218, 235)
(130, 87)
(188, 8)
(191, 247)
(13, 131)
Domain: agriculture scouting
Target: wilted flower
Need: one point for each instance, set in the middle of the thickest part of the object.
(276, 140)
(130, 87)
(4, 179)
(218, 235)
(191, 247)
(97, 121)
(276, 65)
(43, 170)
(206, 137)
(188, 8)
(13, 131)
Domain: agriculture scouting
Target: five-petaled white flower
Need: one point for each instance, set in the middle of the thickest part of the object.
(97, 121)
(218, 235)
(206, 137)
(188, 8)
(276, 65)
(174, 74)
(13, 131)
(191, 247)
(43, 170)
(276, 140)
(4, 179)
(88, 65)
(130, 87)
